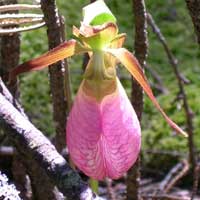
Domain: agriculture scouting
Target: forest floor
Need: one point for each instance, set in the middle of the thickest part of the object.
(149, 191)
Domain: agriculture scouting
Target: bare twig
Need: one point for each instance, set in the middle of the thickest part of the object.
(29, 139)
(174, 175)
(6, 151)
(159, 86)
(56, 71)
(110, 189)
(18, 7)
(67, 78)
(139, 10)
(10, 22)
(20, 16)
(21, 29)
(19, 21)
(163, 197)
(196, 181)
(188, 113)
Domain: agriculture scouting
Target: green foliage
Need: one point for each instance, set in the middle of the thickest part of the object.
(176, 25)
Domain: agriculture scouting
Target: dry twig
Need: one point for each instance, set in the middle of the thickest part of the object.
(188, 113)
(110, 189)
(20, 16)
(159, 85)
(11, 23)
(174, 175)
(18, 7)
(19, 21)
(196, 181)
(162, 197)
(6, 151)
(21, 29)
(139, 10)
(67, 78)
(56, 71)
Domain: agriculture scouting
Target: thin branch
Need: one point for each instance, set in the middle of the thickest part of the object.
(163, 197)
(20, 16)
(188, 113)
(159, 86)
(14, 20)
(139, 10)
(110, 189)
(30, 141)
(6, 151)
(194, 10)
(10, 22)
(19, 7)
(67, 78)
(174, 175)
(56, 71)
(196, 181)
(20, 21)
(21, 29)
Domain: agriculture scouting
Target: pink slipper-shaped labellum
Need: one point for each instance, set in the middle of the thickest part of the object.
(103, 137)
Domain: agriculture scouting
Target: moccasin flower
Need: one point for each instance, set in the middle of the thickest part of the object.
(103, 132)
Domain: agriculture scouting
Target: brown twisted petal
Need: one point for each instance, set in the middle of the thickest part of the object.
(64, 50)
(132, 65)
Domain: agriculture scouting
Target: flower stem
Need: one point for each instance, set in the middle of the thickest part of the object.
(94, 184)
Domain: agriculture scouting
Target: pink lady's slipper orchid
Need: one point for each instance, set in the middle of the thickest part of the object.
(103, 132)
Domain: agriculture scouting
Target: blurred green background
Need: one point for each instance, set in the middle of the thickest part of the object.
(175, 23)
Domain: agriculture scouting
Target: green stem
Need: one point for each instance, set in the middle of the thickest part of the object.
(94, 184)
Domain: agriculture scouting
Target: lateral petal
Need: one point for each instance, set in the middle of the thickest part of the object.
(132, 65)
(64, 50)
